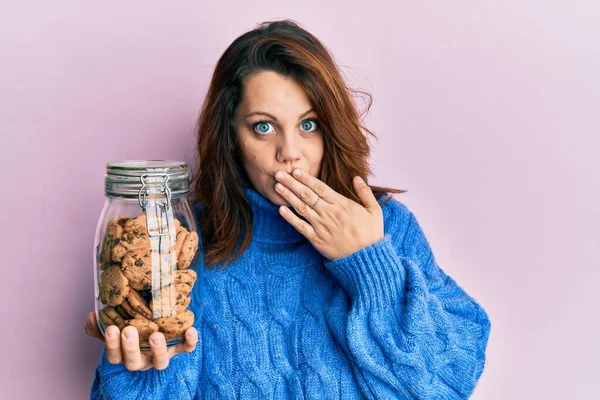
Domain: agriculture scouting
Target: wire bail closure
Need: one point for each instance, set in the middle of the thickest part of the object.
(161, 206)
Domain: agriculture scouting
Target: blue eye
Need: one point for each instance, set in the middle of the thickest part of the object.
(262, 127)
(310, 123)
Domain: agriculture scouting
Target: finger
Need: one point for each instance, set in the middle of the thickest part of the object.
(130, 345)
(91, 327)
(146, 361)
(301, 207)
(317, 186)
(158, 346)
(303, 192)
(189, 342)
(301, 226)
(365, 194)
(113, 345)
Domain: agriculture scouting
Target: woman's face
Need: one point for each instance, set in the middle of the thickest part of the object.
(275, 120)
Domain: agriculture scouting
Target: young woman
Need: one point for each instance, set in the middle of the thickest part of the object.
(317, 285)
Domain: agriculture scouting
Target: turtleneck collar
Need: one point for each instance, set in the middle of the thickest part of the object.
(268, 225)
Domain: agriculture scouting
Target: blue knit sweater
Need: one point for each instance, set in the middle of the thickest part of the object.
(282, 322)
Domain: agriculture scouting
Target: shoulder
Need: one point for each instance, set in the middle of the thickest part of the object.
(405, 231)
(396, 215)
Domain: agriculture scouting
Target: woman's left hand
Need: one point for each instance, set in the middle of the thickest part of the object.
(337, 226)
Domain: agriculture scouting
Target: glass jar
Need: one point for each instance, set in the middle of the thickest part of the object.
(145, 250)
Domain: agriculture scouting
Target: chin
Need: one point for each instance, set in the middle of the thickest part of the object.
(278, 200)
(268, 191)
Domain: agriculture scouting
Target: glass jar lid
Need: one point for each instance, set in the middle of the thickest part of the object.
(128, 178)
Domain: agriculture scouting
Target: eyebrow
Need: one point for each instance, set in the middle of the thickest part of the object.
(274, 117)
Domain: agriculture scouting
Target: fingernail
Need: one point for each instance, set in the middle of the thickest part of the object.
(111, 333)
(127, 334)
(279, 175)
(157, 341)
(297, 173)
(279, 187)
(360, 180)
(283, 210)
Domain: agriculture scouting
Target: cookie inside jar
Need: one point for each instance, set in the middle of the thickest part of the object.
(145, 280)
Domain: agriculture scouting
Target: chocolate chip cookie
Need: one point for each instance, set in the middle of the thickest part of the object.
(135, 305)
(188, 250)
(109, 316)
(144, 326)
(133, 236)
(118, 252)
(180, 238)
(112, 237)
(137, 267)
(114, 286)
(121, 311)
(173, 327)
(186, 276)
(168, 305)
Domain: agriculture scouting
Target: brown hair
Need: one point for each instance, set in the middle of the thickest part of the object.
(286, 48)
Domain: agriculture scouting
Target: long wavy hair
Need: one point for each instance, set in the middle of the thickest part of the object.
(286, 48)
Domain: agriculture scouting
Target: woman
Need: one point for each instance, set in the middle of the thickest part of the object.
(317, 285)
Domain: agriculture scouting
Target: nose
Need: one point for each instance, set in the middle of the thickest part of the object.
(289, 150)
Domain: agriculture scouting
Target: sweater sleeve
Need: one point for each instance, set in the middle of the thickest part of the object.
(179, 380)
(408, 329)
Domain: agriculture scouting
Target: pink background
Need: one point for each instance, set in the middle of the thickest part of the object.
(488, 113)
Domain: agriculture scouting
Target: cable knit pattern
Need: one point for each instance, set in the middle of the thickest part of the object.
(282, 322)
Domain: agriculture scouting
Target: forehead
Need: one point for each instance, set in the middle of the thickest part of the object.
(273, 93)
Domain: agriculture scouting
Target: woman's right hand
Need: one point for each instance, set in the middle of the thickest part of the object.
(123, 347)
